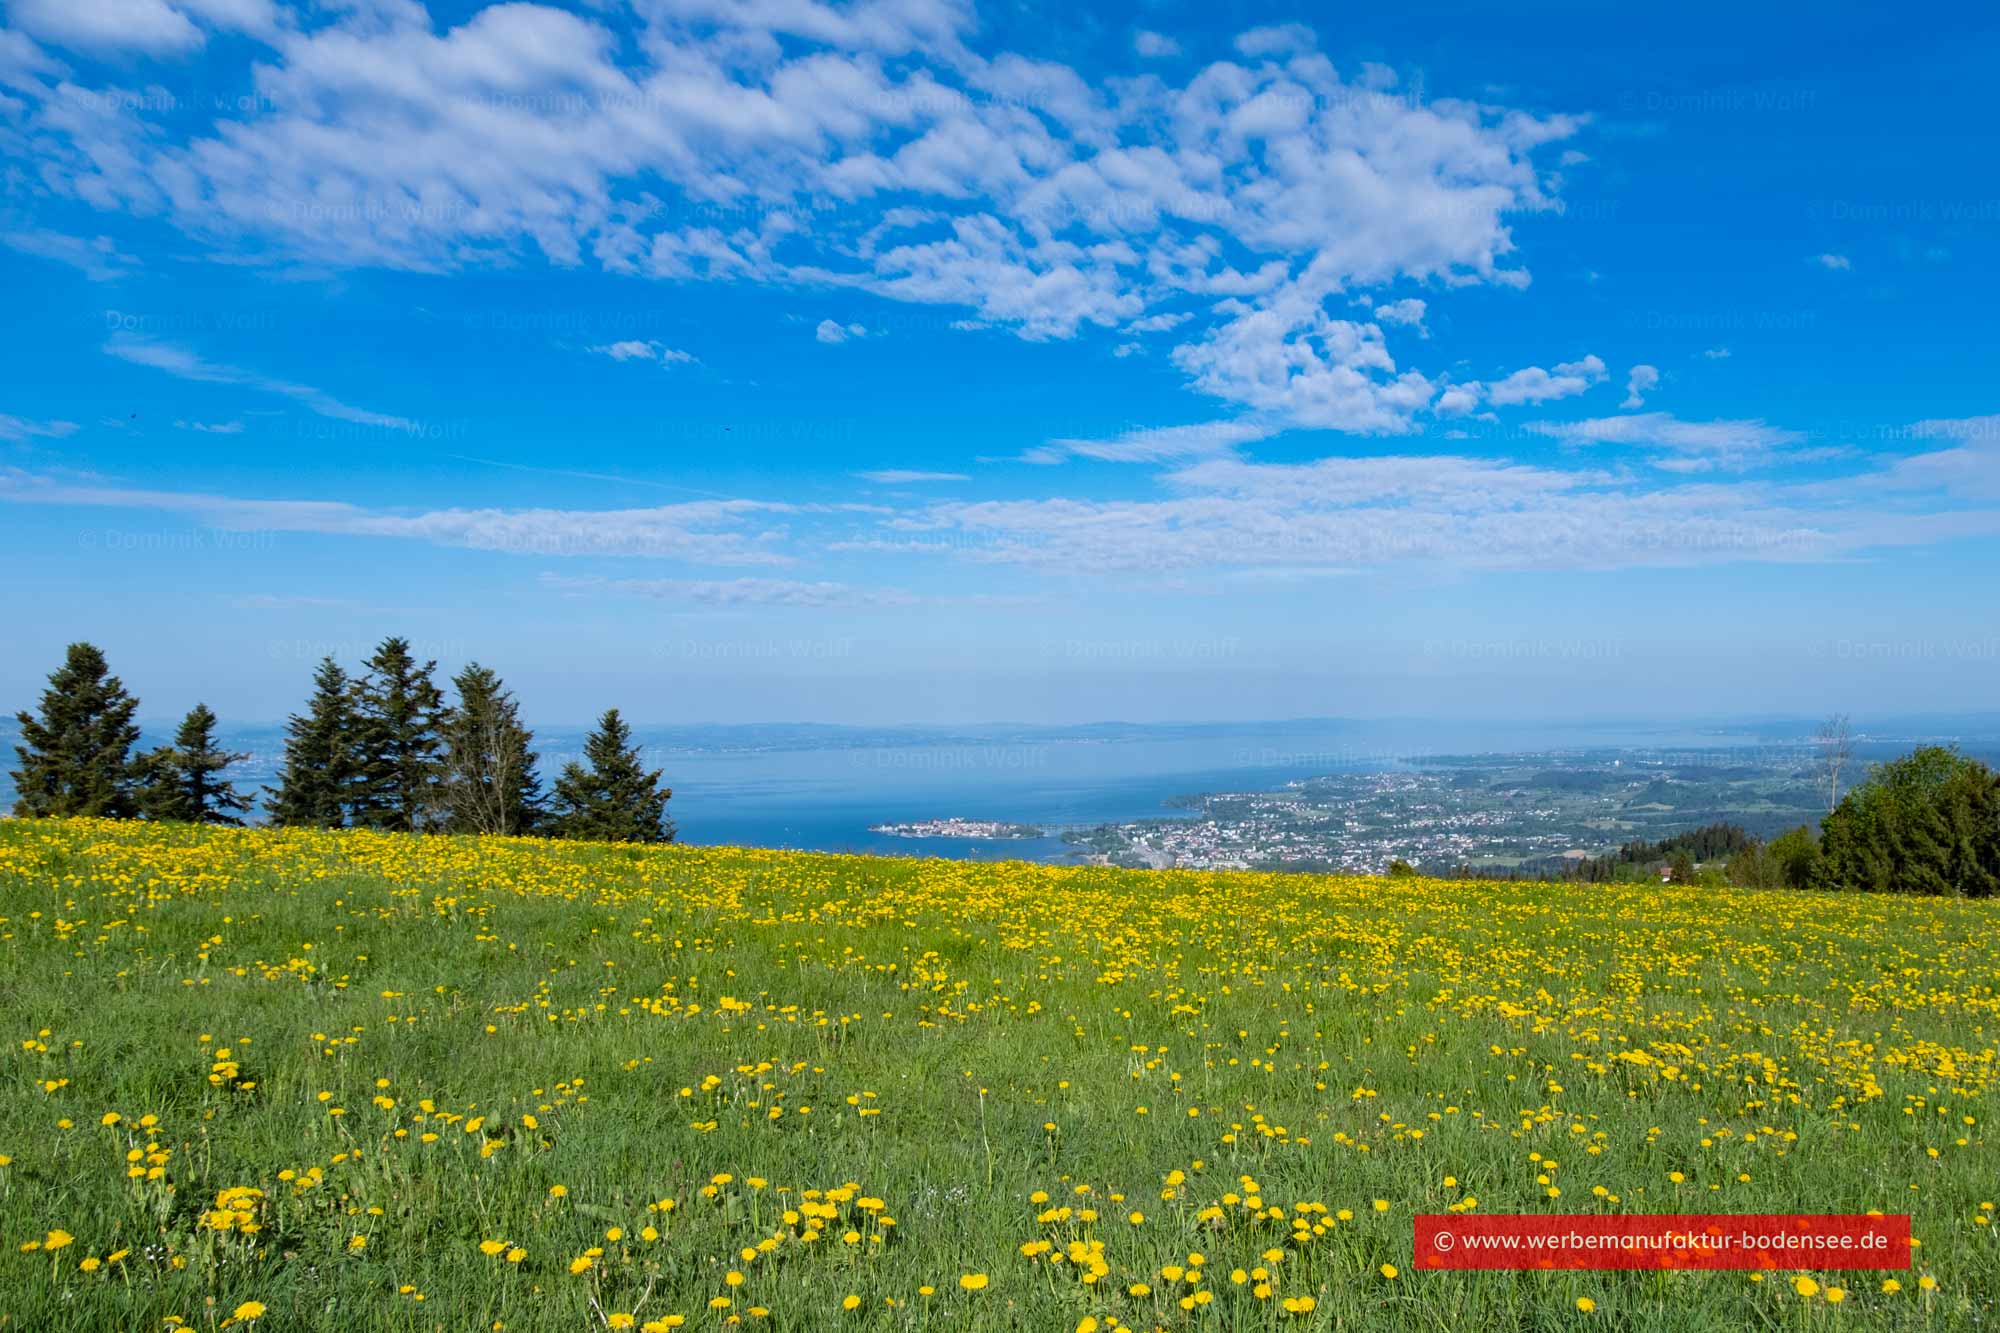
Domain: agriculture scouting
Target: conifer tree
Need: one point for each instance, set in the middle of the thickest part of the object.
(615, 799)
(315, 786)
(488, 782)
(398, 709)
(184, 782)
(76, 757)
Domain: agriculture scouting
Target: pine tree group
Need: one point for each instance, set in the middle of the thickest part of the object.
(382, 750)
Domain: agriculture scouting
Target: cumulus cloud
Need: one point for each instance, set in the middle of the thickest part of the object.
(1408, 312)
(1642, 381)
(1839, 263)
(1530, 384)
(831, 332)
(1154, 45)
(1717, 354)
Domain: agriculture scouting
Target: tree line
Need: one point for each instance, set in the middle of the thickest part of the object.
(1928, 822)
(381, 749)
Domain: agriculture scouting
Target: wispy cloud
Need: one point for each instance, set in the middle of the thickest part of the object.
(1155, 444)
(1970, 469)
(717, 532)
(746, 592)
(1690, 446)
(99, 259)
(184, 363)
(1839, 263)
(15, 428)
(896, 476)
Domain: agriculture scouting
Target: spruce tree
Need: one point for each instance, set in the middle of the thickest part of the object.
(615, 799)
(183, 781)
(488, 782)
(315, 786)
(76, 758)
(398, 708)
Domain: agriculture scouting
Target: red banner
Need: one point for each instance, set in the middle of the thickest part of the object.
(1677, 1241)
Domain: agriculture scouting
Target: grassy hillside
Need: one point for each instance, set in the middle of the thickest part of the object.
(363, 1082)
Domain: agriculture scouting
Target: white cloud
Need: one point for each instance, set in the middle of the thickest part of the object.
(99, 259)
(861, 146)
(1642, 381)
(831, 332)
(1231, 516)
(1837, 262)
(1408, 312)
(1691, 446)
(896, 476)
(1969, 469)
(13, 428)
(1154, 45)
(1717, 354)
(1161, 323)
(1282, 40)
(1457, 513)
(212, 427)
(139, 27)
(1532, 384)
(635, 349)
(152, 27)
(189, 365)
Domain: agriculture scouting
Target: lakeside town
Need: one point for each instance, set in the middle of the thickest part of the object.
(1507, 813)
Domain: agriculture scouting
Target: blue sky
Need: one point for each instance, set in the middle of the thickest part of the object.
(909, 361)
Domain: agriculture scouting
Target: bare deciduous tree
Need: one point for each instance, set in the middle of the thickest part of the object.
(1835, 742)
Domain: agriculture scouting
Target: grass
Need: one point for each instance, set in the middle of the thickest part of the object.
(632, 1074)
